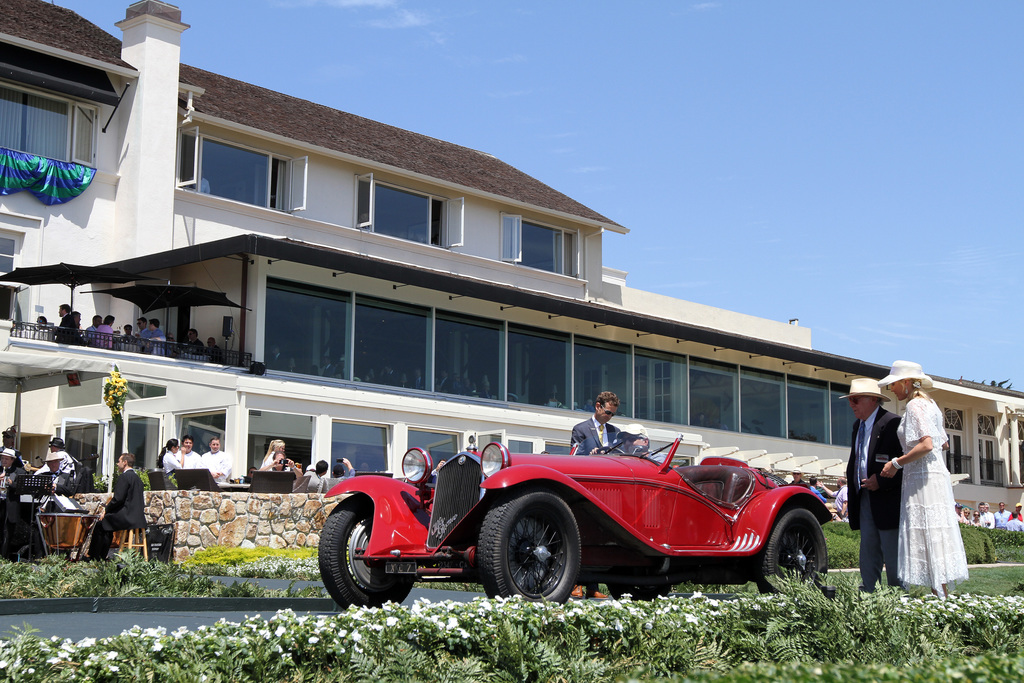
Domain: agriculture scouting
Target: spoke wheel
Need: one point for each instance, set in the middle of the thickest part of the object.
(796, 548)
(530, 546)
(348, 579)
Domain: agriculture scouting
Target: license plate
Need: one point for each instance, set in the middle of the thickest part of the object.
(400, 568)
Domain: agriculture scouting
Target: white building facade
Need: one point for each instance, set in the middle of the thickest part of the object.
(395, 290)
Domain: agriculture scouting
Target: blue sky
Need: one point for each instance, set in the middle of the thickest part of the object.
(856, 165)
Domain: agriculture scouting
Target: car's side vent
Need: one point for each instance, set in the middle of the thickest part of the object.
(456, 492)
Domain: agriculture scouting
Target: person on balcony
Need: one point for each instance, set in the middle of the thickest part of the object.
(168, 459)
(154, 338)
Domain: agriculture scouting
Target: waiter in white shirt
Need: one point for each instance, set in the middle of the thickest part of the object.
(218, 462)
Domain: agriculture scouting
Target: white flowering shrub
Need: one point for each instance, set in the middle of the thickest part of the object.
(797, 635)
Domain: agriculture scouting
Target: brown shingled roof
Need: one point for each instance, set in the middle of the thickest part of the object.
(301, 120)
(54, 26)
(297, 119)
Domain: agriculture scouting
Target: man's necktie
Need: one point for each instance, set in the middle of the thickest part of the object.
(600, 433)
(862, 457)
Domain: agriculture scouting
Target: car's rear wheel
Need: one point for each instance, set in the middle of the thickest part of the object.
(348, 579)
(530, 546)
(795, 548)
(639, 592)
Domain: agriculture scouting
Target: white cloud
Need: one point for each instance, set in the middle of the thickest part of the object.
(511, 59)
(590, 169)
(402, 18)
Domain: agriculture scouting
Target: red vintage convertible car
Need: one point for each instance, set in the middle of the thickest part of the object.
(536, 525)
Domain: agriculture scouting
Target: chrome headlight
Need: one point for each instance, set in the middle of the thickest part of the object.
(494, 458)
(416, 465)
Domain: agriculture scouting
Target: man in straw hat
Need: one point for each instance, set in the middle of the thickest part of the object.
(874, 502)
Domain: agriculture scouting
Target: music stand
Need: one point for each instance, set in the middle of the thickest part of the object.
(39, 486)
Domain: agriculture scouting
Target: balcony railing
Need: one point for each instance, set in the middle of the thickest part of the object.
(960, 464)
(119, 342)
(991, 471)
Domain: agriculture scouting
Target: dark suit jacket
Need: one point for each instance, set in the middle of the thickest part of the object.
(585, 434)
(883, 446)
(127, 509)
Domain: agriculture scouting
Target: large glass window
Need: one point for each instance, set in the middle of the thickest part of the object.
(538, 246)
(295, 430)
(408, 215)
(203, 429)
(468, 350)
(36, 124)
(808, 410)
(659, 386)
(842, 416)
(244, 175)
(234, 173)
(365, 446)
(143, 440)
(306, 329)
(762, 402)
(600, 367)
(440, 445)
(713, 393)
(538, 366)
(391, 341)
(8, 248)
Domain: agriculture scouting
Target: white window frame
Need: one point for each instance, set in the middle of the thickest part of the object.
(511, 238)
(512, 243)
(75, 110)
(295, 194)
(452, 220)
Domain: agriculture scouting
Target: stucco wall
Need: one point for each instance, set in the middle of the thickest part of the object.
(237, 520)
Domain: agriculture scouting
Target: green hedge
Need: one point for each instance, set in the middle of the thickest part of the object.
(979, 544)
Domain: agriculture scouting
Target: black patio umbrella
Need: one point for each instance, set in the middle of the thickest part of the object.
(71, 275)
(149, 297)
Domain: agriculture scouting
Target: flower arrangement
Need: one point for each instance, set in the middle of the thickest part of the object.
(115, 392)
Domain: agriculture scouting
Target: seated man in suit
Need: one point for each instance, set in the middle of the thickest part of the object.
(125, 510)
(594, 434)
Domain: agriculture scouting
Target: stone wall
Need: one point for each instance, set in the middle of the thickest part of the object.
(203, 519)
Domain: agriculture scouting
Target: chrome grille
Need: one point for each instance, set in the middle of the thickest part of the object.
(457, 491)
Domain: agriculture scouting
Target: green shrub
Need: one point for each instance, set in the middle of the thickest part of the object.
(843, 545)
(978, 545)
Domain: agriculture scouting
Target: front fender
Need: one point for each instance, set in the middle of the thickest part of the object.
(399, 519)
(755, 522)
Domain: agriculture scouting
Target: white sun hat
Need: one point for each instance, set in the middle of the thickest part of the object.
(864, 386)
(904, 369)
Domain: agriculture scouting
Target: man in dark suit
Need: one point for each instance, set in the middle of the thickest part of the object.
(125, 510)
(875, 501)
(595, 433)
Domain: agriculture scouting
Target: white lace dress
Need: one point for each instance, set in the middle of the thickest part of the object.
(931, 551)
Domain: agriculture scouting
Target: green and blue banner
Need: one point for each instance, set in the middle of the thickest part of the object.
(52, 182)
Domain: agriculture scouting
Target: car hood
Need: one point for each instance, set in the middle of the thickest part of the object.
(587, 465)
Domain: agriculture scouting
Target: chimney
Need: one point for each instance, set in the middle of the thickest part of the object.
(145, 208)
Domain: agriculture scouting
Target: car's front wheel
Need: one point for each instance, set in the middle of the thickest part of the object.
(530, 546)
(348, 579)
(796, 548)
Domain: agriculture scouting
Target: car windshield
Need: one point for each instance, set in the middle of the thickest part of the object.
(637, 445)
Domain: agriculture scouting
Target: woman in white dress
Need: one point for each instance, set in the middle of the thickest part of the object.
(931, 551)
